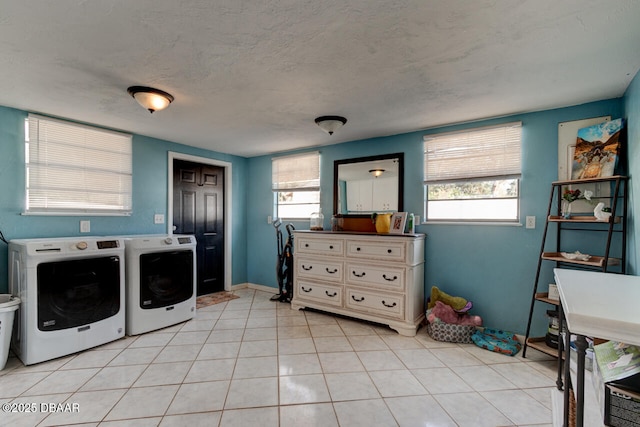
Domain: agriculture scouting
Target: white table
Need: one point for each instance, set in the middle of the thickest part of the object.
(602, 305)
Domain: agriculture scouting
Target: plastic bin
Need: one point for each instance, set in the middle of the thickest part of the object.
(8, 306)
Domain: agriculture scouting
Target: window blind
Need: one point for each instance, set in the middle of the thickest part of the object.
(76, 169)
(483, 153)
(300, 172)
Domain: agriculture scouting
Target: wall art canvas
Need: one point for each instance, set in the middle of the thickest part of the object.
(597, 150)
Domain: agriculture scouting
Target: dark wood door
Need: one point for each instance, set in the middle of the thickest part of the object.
(198, 209)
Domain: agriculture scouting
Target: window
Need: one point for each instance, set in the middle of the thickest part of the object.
(296, 185)
(72, 169)
(473, 175)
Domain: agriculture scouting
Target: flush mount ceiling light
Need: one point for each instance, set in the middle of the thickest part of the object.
(330, 124)
(150, 98)
(376, 172)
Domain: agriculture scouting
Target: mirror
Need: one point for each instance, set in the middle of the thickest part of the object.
(368, 184)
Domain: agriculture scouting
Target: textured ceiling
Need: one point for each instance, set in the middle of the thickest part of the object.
(249, 77)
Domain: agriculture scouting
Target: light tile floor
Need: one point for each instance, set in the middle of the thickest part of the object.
(255, 362)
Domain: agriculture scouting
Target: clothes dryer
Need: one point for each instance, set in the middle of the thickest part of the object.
(160, 281)
(72, 295)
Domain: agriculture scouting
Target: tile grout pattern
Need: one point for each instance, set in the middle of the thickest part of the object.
(252, 361)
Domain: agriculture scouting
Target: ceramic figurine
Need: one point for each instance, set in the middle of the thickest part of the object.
(600, 214)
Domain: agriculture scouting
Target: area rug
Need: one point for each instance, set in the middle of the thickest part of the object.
(214, 298)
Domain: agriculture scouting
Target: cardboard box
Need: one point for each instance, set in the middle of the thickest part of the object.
(617, 383)
(553, 291)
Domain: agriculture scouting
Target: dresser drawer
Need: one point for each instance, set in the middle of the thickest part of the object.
(326, 294)
(376, 303)
(319, 269)
(379, 276)
(319, 246)
(391, 251)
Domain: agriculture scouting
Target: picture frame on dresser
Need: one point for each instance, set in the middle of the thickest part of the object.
(398, 221)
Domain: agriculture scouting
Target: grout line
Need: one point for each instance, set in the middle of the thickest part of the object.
(253, 301)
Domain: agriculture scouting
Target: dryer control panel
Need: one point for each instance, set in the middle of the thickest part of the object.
(108, 244)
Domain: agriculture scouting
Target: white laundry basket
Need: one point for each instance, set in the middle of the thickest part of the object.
(8, 306)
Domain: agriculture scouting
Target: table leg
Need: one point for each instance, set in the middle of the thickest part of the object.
(560, 348)
(567, 377)
(581, 346)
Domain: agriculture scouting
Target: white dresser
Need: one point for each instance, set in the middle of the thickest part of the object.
(374, 277)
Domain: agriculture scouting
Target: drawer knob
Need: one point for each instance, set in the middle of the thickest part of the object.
(389, 251)
(331, 295)
(389, 279)
(335, 270)
(330, 246)
(358, 249)
(306, 245)
(307, 268)
(388, 305)
(358, 275)
(356, 299)
(306, 290)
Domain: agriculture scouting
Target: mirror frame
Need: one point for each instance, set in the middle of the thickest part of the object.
(337, 163)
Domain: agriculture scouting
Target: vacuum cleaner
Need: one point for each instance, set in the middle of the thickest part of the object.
(284, 263)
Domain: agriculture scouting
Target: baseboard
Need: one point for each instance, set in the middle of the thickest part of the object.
(239, 286)
(255, 286)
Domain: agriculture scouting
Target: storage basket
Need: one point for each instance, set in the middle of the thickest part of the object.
(8, 306)
(449, 332)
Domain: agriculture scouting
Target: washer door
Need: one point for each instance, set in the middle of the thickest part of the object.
(77, 292)
(166, 278)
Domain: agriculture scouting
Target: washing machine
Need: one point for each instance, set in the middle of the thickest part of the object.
(72, 295)
(160, 281)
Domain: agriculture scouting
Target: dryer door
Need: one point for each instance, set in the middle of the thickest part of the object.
(78, 292)
(166, 278)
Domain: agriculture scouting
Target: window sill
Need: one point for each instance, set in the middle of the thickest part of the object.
(76, 213)
(487, 223)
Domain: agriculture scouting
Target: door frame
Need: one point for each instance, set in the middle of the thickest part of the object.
(226, 200)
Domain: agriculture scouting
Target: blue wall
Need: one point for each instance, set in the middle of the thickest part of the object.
(494, 266)
(632, 114)
(150, 163)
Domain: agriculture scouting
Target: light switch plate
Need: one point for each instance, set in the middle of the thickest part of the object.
(85, 226)
(531, 222)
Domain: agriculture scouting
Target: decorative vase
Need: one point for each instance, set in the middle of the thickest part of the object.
(383, 223)
(566, 209)
(599, 214)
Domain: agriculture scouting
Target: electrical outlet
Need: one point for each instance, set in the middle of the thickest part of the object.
(158, 219)
(531, 222)
(269, 219)
(85, 226)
